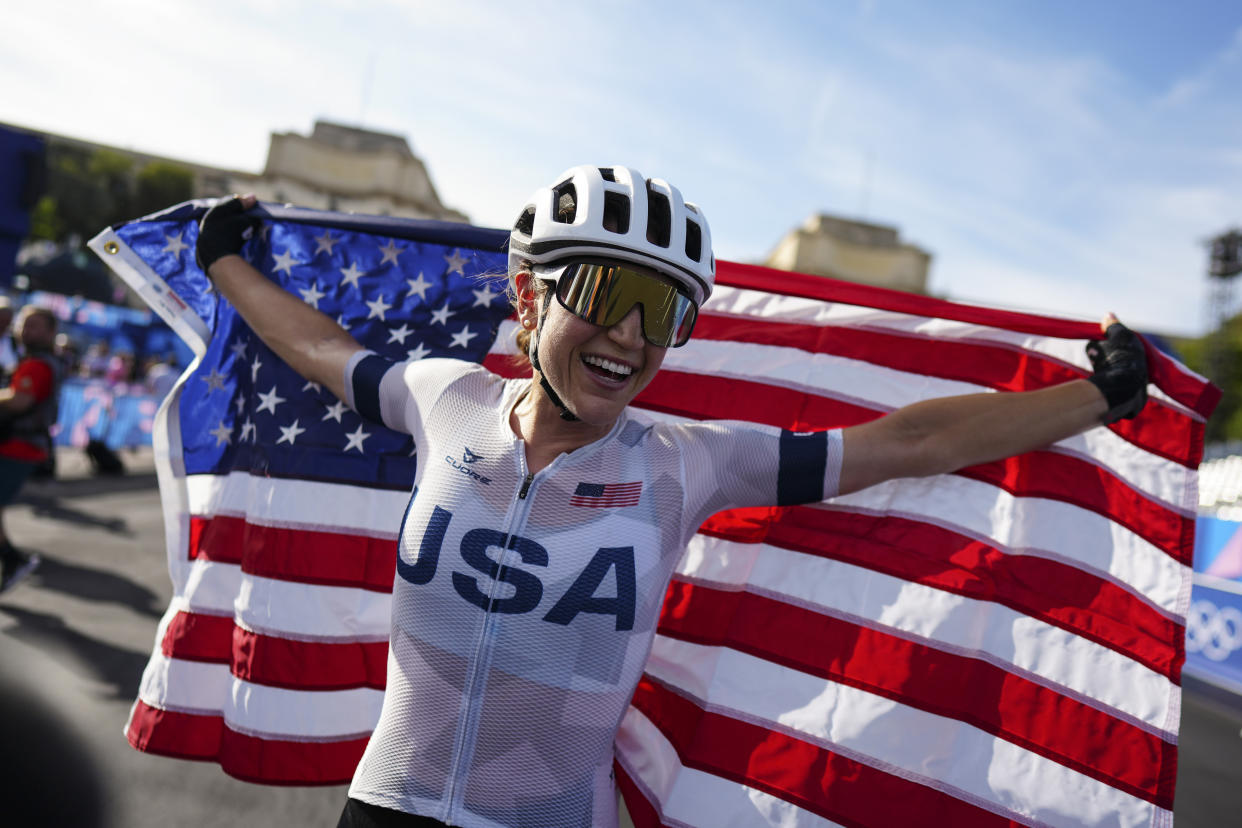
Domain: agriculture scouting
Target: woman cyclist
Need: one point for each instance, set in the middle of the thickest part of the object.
(547, 517)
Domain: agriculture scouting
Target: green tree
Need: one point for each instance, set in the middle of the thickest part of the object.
(161, 184)
(86, 191)
(1218, 356)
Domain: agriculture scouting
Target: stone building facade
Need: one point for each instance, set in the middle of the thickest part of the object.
(855, 251)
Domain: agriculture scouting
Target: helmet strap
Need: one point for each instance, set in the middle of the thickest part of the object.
(555, 398)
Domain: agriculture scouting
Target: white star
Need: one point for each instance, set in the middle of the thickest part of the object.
(377, 308)
(391, 252)
(311, 295)
(254, 368)
(334, 411)
(285, 262)
(175, 245)
(419, 351)
(418, 286)
(222, 433)
(270, 401)
(247, 429)
(399, 334)
(325, 243)
(352, 274)
(355, 439)
(484, 296)
(289, 434)
(215, 381)
(238, 348)
(312, 386)
(462, 337)
(455, 262)
(442, 314)
(239, 404)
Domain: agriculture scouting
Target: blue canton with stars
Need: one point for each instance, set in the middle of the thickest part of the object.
(405, 289)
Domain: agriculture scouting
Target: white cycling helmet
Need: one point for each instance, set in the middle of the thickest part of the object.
(614, 213)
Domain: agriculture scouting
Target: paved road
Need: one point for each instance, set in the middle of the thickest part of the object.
(83, 625)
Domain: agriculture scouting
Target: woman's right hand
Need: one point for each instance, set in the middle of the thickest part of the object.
(224, 229)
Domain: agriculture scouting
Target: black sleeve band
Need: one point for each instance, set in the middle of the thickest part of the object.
(803, 462)
(366, 382)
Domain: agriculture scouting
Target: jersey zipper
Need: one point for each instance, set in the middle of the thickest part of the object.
(463, 749)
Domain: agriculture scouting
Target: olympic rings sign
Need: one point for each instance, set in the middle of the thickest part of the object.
(1213, 631)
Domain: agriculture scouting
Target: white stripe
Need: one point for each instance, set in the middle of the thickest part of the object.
(211, 586)
(302, 612)
(886, 734)
(310, 612)
(1030, 525)
(300, 504)
(315, 714)
(739, 302)
(1004, 637)
(687, 797)
(184, 686)
(269, 712)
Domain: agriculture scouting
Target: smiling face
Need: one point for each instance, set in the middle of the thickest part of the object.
(596, 370)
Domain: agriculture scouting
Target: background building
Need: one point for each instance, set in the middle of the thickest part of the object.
(856, 251)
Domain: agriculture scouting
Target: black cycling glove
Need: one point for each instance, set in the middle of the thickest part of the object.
(222, 232)
(1120, 363)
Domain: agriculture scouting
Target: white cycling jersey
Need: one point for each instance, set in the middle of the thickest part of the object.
(524, 606)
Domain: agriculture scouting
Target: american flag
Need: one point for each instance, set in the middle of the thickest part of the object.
(606, 495)
(1002, 645)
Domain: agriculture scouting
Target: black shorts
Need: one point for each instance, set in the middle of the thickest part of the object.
(364, 815)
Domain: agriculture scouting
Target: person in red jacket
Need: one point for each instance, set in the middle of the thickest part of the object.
(27, 411)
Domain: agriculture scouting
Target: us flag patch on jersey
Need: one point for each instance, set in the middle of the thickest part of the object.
(606, 495)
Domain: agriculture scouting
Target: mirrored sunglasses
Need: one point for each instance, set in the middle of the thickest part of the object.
(603, 294)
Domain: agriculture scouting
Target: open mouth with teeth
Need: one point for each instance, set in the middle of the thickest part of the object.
(607, 368)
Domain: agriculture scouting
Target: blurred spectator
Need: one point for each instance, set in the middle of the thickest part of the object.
(120, 368)
(27, 412)
(67, 351)
(95, 360)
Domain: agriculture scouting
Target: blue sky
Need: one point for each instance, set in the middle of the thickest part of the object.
(1064, 157)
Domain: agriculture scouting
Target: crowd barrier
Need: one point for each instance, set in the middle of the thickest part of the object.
(120, 416)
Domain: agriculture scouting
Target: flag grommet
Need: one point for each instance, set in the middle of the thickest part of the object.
(111, 247)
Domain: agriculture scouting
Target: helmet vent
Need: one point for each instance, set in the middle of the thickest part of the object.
(694, 241)
(607, 174)
(616, 212)
(526, 222)
(659, 217)
(566, 199)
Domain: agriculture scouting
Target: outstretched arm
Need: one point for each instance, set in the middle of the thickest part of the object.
(942, 435)
(311, 343)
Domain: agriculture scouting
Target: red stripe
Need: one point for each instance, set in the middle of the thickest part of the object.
(966, 689)
(603, 503)
(1071, 479)
(253, 759)
(1054, 592)
(308, 665)
(193, 636)
(275, 661)
(642, 812)
(1191, 392)
(813, 778)
(1161, 429)
(302, 555)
